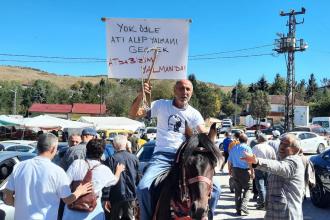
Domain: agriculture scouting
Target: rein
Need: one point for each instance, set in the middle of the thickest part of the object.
(181, 209)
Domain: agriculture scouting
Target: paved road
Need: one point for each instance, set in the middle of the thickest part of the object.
(226, 206)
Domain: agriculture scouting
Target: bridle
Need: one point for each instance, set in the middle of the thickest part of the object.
(182, 208)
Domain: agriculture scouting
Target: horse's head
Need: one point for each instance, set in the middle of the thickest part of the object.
(198, 160)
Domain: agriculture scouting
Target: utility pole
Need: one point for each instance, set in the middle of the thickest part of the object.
(235, 120)
(288, 44)
(102, 83)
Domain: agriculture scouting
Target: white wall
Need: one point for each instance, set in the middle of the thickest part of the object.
(301, 115)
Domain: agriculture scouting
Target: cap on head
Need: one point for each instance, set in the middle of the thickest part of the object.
(262, 137)
(89, 131)
(276, 133)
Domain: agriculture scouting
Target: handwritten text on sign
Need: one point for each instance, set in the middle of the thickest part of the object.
(131, 44)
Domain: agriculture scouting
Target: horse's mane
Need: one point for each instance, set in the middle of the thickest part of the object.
(200, 143)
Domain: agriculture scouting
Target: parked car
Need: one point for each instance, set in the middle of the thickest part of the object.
(314, 128)
(150, 133)
(256, 127)
(8, 159)
(144, 154)
(311, 142)
(18, 145)
(320, 194)
(250, 135)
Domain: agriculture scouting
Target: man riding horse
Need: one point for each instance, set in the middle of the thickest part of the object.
(169, 138)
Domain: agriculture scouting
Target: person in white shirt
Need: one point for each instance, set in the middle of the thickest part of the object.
(172, 118)
(36, 186)
(262, 150)
(102, 177)
(275, 141)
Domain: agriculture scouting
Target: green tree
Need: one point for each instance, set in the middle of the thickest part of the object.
(260, 105)
(262, 84)
(242, 94)
(194, 101)
(119, 104)
(227, 106)
(252, 88)
(209, 101)
(301, 90)
(278, 86)
(311, 87)
(162, 90)
(321, 107)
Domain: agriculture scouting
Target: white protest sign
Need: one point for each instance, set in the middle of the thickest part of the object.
(131, 44)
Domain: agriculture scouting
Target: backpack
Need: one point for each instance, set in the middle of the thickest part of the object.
(85, 203)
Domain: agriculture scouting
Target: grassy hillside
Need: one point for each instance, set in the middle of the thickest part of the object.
(26, 75)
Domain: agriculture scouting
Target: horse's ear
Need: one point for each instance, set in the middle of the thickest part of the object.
(188, 131)
(213, 132)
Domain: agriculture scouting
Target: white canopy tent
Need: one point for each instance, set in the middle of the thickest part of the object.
(9, 121)
(49, 122)
(103, 123)
(42, 122)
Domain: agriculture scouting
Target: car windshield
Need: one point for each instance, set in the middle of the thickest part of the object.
(324, 124)
(152, 130)
(250, 134)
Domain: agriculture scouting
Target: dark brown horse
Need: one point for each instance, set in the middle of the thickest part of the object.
(187, 188)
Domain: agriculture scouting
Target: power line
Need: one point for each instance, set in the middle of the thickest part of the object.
(51, 57)
(232, 51)
(102, 59)
(48, 61)
(233, 57)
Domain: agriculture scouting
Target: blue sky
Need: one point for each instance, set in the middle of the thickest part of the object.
(72, 28)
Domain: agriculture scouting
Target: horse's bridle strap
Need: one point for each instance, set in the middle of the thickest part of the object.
(197, 179)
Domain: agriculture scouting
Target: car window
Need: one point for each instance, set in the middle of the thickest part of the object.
(146, 153)
(20, 148)
(309, 135)
(326, 155)
(324, 124)
(6, 167)
(250, 134)
(301, 136)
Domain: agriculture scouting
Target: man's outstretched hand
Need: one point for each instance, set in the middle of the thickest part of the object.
(250, 158)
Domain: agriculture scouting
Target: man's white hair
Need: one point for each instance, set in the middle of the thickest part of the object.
(120, 141)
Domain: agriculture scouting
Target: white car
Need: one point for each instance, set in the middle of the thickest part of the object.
(250, 135)
(150, 133)
(311, 142)
(19, 145)
(7, 162)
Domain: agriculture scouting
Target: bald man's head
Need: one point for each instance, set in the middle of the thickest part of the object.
(289, 145)
(183, 90)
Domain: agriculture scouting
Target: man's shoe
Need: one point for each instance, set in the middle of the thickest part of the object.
(245, 210)
(260, 207)
(238, 212)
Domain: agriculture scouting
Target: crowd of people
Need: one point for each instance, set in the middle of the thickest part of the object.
(39, 189)
(274, 170)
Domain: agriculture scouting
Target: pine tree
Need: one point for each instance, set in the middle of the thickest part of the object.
(311, 88)
(278, 86)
